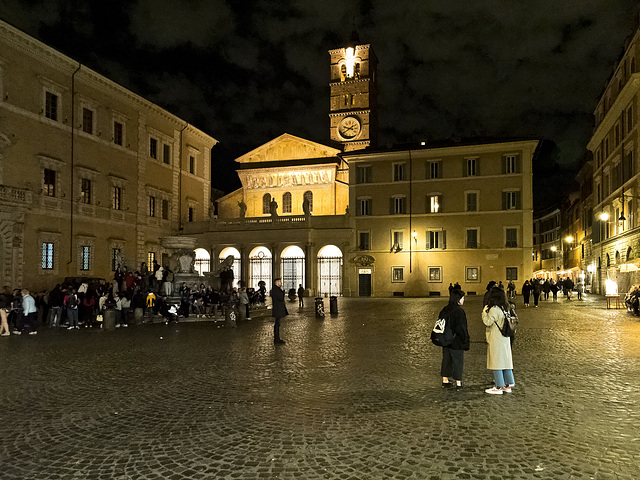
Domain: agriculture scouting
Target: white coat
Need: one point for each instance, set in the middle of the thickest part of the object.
(499, 348)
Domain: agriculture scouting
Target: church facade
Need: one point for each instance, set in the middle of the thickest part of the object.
(350, 219)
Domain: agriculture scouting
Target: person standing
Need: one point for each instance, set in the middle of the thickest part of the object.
(5, 307)
(567, 287)
(536, 289)
(71, 302)
(29, 312)
(453, 355)
(300, 296)
(243, 300)
(580, 290)
(526, 292)
(278, 309)
(546, 288)
(499, 359)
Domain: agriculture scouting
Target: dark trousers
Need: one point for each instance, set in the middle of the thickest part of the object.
(536, 297)
(276, 329)
(29, 322)
(452, 363)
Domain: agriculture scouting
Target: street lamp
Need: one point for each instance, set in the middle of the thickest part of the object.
(555, 260)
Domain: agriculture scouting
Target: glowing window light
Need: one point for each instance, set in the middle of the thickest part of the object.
(350, 62)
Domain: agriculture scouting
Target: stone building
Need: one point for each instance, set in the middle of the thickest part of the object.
(616, 177)
(91, 174)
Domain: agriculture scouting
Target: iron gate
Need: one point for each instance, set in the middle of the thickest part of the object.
(330, 273)
(292, 273)
(260, 268)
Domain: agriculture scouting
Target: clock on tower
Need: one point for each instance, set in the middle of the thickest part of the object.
(353, 109)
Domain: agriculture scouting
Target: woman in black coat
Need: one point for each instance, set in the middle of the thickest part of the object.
(278, 309)
(453, 355)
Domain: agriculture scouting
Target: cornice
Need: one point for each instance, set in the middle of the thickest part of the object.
(350, 112)
(624, 97)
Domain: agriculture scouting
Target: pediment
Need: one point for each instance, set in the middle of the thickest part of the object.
(287, 147)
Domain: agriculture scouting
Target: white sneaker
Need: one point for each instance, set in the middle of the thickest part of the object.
(494, 391)
(33, 333)
(69, 328)
(507, 389)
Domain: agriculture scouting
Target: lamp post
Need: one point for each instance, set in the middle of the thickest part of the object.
(569, 240)
(415, 239)
(555, 259)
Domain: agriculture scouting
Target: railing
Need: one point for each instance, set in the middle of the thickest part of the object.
(253, 223)
(16, 195)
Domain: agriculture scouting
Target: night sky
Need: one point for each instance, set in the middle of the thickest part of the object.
(247, 71)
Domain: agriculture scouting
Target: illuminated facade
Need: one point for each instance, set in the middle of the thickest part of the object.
(91, 174)
(616, 179)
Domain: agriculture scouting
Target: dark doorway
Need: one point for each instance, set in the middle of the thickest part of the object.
(364, 284)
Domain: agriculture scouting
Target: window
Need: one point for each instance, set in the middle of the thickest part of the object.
(166, 154)
(472, 201)
(266, 204)
(398, 172)
(511, 237)
(85, 191)
(472, 274)
(599, 190)
(435, 274)
(397, 274)
(511, 164)
(629, 119)
(398, 205)
(433, 203)
(472, 168)
(364, 240)
(153, 148)
(192, 164)
(192, 214)
(363, 174)
(616, 135)
(472, 238)
(47, 255)
(511, 200)
(151, 256)
(512, 273)
(49, 184)
(116, 198)
(397, 239)
(435, 239)
(606, 148)
(165, 209)
(364, 206)
(51, 106)
(85, 257)
(152, 206)
(118, 133)
(308, 196)
(434, 169)
(87, 121)
(286, 202)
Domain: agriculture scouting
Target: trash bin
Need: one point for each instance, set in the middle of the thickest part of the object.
(319, 307)
(333, 305)
(109, 320)
(230, 315)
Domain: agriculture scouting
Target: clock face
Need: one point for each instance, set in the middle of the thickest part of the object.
(349, 127)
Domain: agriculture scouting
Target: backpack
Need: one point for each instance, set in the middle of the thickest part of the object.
(510, 323)
(72, 301)
(442, 335)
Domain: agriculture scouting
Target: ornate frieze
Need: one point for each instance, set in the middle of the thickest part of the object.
(317, 176)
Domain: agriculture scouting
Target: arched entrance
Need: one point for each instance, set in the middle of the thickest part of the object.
(330, 270)
(292, 267)
(260, 267)
(202, 263)
(236, 261)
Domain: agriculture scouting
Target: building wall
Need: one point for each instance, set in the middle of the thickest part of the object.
(80, 147)
(451, 259)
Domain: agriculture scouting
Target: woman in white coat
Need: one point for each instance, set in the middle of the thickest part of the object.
(499, 359)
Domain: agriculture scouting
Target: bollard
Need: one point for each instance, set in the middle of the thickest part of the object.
(333, 305)
(319, 307)
(109, 320)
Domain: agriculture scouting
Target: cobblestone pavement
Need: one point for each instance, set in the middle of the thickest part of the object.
(356, 396)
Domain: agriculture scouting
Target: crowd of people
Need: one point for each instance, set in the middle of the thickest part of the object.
(136, 296)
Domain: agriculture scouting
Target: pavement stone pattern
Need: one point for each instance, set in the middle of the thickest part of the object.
(355, 396)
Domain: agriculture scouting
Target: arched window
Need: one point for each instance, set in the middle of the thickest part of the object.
(608, 261)
(308, 196)
(266, 204)
(286, 202)
(629, 254)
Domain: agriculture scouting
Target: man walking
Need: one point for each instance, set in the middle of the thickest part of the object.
(278, 309)
(300, 296)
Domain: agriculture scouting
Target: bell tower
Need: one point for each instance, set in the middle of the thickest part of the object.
(353, 119)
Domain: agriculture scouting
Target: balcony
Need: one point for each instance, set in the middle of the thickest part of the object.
(15, 196)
